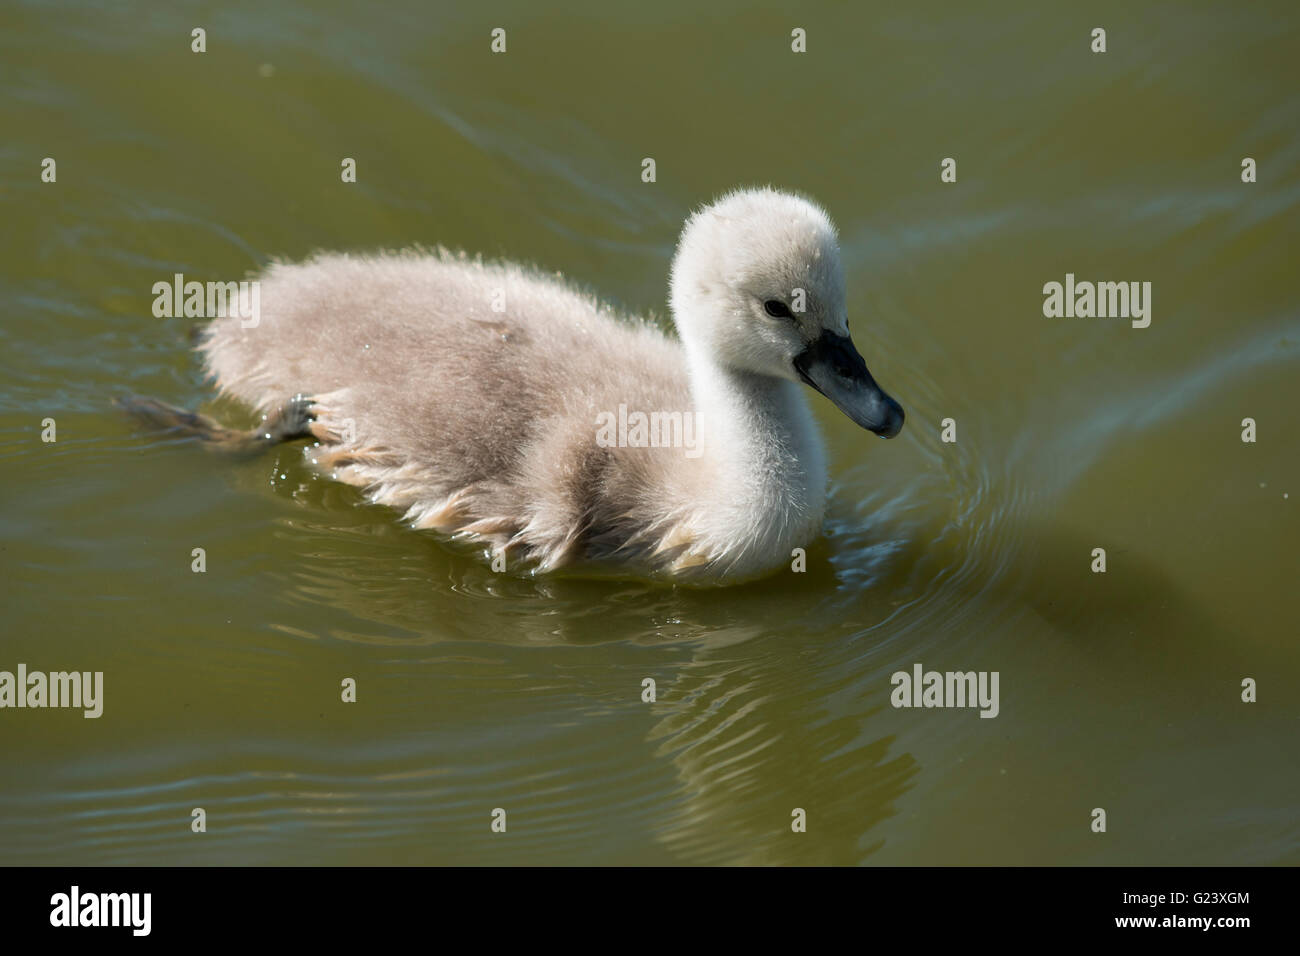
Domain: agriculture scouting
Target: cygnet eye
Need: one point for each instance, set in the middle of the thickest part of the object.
(777, 309)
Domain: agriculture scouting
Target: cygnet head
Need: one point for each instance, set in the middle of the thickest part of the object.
(757, 287)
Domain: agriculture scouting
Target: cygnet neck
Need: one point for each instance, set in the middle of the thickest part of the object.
(757, 433)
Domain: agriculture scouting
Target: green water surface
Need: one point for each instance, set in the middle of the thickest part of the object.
(477, 690)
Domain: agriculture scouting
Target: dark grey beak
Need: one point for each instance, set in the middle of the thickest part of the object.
(833, 366)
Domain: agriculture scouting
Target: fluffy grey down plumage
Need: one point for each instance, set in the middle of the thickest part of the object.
(483, 423)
